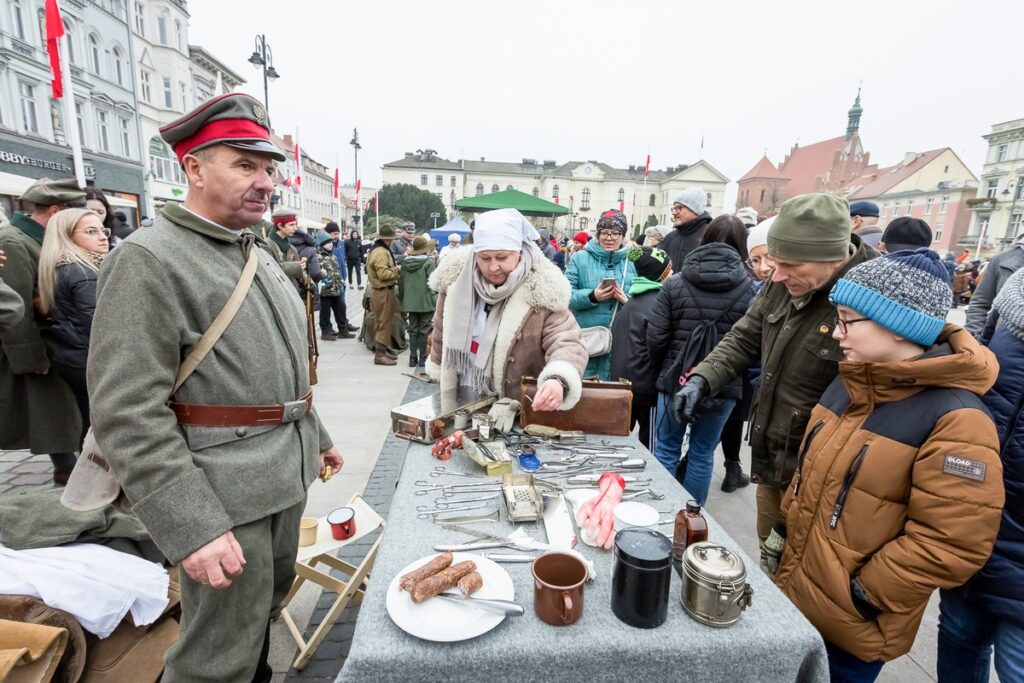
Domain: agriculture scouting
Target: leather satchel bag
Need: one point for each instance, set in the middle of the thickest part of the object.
(604, 408)
(92, 484)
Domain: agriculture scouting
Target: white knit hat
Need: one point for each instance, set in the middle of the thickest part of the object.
(758, 235)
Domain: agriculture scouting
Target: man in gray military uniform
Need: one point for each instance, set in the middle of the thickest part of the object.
(38, 409)
(219, 474)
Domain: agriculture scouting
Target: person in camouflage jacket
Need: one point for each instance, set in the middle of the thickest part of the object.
(332, 292)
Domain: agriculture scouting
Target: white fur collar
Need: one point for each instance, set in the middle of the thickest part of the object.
(545, 286)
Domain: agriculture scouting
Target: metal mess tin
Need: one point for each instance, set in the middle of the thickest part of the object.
(434, 417)
(715, 589)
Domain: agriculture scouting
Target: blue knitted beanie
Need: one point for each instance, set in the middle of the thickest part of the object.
(907, 292)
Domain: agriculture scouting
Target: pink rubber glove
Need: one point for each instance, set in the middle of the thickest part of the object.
(597, 515)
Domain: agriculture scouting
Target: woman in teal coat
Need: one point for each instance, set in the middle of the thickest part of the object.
(595, 298)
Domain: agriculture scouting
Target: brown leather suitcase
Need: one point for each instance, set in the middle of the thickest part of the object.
(604, 408)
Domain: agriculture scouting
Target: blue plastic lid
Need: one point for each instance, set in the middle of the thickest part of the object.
(644, 548)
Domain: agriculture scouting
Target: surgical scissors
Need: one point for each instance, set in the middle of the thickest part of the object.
(426, 512)
(442, 471)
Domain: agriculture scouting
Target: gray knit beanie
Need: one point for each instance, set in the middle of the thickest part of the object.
(907, 292)
(1010, 304)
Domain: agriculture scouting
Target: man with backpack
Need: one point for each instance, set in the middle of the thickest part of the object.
(789, 330)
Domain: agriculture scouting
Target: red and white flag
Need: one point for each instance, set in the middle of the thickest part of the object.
(54, 30)
(298, 166)
(376, 203)
(359, 192)
(647, 167)
(335, 182)
(622, 206)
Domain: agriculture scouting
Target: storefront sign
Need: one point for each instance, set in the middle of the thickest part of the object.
(12, 158)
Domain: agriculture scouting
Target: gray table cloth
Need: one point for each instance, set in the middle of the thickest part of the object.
(771, 642)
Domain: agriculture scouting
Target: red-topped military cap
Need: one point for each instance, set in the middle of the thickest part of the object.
(235, 119)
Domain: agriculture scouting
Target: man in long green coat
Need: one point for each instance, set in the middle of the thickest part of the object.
(219, 475)
(39, 411)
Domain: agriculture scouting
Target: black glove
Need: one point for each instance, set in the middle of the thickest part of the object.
(686, 400)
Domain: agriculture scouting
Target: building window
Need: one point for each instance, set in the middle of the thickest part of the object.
(943, 204)
(70, 43)
(622, 194)
(991, 187)
(761, 200)
(42, 30)
(709, 199)
(147, 91)
(910, 206)
(183, 88)
(119, 66)
(884, 211)
(94, 54)
(928, 206)
(554, 191)
(423, 179)
(1019, 194)
(1015, 222)
(163, 167)
(439, 181)
(982, 227)
(453, 181)
(1001, 153)
(495, 188)
(126, 141)
(178, 36)
(18, 18)
(651, 200)
(585, 199)
(80, 119)
(140, 19)
(168, 101)
(101, 126)
(27, 92)
(939, 226)
(510, 188)
(161, 29)
(896, 208)
(479, 189)
(536, 192)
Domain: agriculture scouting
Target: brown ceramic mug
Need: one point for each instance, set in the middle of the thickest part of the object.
(558, 580)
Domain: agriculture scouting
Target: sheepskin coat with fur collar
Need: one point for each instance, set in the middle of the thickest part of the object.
(538, 335)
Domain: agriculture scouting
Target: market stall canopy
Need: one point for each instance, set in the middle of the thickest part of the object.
(456, 225)
(526, 204)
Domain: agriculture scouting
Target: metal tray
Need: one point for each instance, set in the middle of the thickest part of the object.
(429, 419)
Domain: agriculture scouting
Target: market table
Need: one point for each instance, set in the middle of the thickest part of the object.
(772, 641)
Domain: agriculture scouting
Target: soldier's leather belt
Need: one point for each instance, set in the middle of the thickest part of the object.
(203, 415)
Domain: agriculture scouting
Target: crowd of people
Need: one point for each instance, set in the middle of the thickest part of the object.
(813, 334)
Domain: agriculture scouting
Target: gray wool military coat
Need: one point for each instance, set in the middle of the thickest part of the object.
(37, 411)
(157, 293)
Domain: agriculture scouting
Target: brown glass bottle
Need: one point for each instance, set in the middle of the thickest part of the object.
(690, 528)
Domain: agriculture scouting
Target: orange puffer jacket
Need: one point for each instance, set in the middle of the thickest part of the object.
(898, 491)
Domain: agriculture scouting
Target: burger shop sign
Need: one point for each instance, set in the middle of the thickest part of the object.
(22, 160)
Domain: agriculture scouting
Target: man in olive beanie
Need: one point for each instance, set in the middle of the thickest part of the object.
(789, 331)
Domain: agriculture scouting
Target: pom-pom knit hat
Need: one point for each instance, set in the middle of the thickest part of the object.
(907, 292)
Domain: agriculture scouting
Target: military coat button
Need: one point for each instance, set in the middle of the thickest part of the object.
(241, 431)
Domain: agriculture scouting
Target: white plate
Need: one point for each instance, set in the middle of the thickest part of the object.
(443, 620)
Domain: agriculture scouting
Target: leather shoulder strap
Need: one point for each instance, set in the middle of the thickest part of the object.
(220, 323)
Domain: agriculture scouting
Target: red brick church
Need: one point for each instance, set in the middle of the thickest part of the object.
(825, 166)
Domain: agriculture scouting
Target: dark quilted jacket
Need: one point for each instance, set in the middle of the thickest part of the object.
(630, 359)
(718, 288)
(74, 301)
(999, 586)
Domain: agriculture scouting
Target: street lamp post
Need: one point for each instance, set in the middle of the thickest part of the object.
(435, 215)
(263, 57)
(355, 148)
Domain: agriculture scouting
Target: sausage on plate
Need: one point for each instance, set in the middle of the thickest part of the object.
(471, 583)
(440, 582)
(439, 563)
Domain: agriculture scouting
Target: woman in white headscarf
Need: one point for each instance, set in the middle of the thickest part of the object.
(502, 314)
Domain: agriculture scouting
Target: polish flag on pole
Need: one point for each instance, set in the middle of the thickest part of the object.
(622, 206)
(335, 182)
(54, 30)
(376, 203)
(298, 165)
(359, 192)
(647, 167)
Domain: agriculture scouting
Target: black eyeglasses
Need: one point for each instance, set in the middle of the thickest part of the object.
(843, 325)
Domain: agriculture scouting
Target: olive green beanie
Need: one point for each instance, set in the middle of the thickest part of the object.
(811, 227)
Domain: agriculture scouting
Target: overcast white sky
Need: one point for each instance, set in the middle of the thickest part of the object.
(573, 80)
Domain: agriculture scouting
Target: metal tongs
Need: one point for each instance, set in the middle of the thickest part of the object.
(485, 541)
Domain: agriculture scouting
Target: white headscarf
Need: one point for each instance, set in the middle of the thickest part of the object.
(503, 230)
